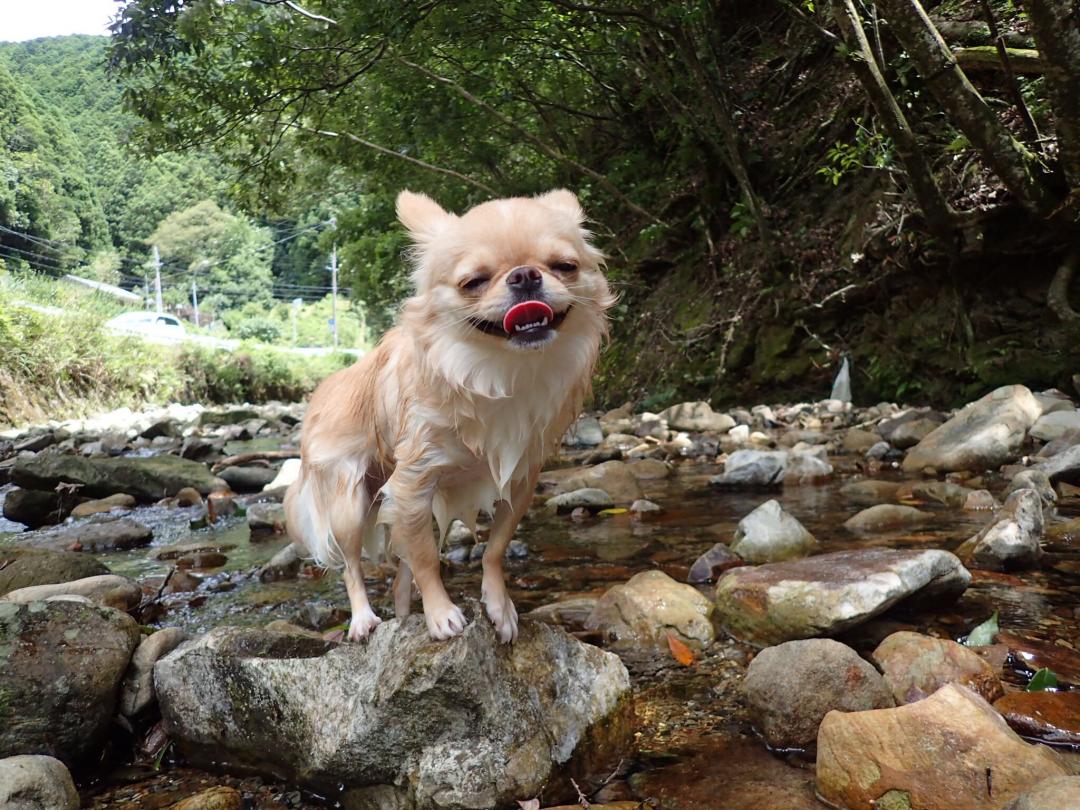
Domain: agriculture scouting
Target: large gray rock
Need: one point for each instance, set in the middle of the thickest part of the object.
(752, 469)
(1036, 480)
(829, 593)
(697, 417)
(769, 534)
(468, 723)
(643, 610)
(22, 567)
(92, 535)
(909, 428)
(1056, 424)
(792, 686)
(248, 479)
(148, 478)
(1063, 466)
(1012, 538)
(34, 782)
(585, 432)
(984, 435)
(60, 666)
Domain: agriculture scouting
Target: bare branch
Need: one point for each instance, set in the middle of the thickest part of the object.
(472, 181)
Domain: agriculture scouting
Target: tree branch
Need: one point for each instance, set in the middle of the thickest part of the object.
(540, 145)
(382, 150)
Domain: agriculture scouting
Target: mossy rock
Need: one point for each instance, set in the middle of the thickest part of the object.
(24, 567)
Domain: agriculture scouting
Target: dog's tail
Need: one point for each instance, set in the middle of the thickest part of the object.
(307, 516)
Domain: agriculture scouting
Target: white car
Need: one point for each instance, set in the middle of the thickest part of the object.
(151, 325)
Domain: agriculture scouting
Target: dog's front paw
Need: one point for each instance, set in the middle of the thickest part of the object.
(500, 609)
(362, 624)
(444, 621)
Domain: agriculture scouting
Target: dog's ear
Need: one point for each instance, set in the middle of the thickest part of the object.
(421, 215)
(565, 201)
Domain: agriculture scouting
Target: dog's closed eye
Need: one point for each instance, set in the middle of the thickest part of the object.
(564, 267)
(474, 283)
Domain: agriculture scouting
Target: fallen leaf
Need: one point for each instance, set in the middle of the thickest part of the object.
(529, 804)
(1042, 680)
(618, 510)
(679, 651)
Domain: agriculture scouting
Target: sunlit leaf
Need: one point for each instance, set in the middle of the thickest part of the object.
(984, 634)
(1042, 680)
(618, 510)
(679, 651)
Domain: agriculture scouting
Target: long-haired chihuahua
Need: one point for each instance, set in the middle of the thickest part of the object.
(457, 407)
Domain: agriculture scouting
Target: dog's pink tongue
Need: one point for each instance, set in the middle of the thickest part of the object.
(526, 312)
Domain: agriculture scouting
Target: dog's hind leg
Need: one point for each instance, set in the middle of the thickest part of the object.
(351, 519)
(403, 590)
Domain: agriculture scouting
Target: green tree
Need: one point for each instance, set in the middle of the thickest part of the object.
(226, 254)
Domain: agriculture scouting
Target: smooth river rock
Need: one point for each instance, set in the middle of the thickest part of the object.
(650, 605)
(1057, 792)
(110, 590)
(22, 567)
(36, 782)
(829, 593)
(91, 535)
(887, 517)
(697, 417)
(35, 508)
(147, 478)
(933, 754)
(915, 666)
(1011, 540)
(60, 666)
(792, 686)
(984, 435)
(769, 534)
(467, 723)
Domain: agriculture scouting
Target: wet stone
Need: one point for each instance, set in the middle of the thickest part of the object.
(769, 534)
(91, 535)
(887, 517)
(464, 723)
(829, 593)
(792, 686)
(61, 665)
(22, 567)
(650, 605)
(915, 666)
(714, 562)
(1050, 717)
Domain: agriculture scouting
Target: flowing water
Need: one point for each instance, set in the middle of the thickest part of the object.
(694, 745)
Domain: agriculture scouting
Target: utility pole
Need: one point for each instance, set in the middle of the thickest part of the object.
(296, 304)
(333, 292)
(195, 300)
(157, 280)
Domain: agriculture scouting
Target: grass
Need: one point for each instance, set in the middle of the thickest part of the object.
(55, 366)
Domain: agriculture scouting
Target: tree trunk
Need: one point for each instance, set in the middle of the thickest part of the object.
(1024, 61)
(939, 216)
(1056, 26)
(999, 150)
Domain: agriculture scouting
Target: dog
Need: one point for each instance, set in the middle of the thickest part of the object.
(457, 407)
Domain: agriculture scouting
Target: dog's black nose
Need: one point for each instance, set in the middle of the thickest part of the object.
(524, 279)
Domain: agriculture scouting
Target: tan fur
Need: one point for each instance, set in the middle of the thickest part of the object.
(443, 420)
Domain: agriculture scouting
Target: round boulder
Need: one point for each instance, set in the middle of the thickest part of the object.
(792, 686)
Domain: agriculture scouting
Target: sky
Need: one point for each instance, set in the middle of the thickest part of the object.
(29, 19)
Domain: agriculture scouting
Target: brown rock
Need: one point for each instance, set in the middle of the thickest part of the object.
(648, 607)
(870, 492)
(792, 686)
(188, 496)
(1034, 655)
(117, 501)
(1056, 792)
(216, 798)
(915, 666)
(1052, 717)
(935, 754)
(202, 559)
(886, 517)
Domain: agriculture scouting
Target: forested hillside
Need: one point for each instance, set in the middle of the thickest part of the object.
(777, 184)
